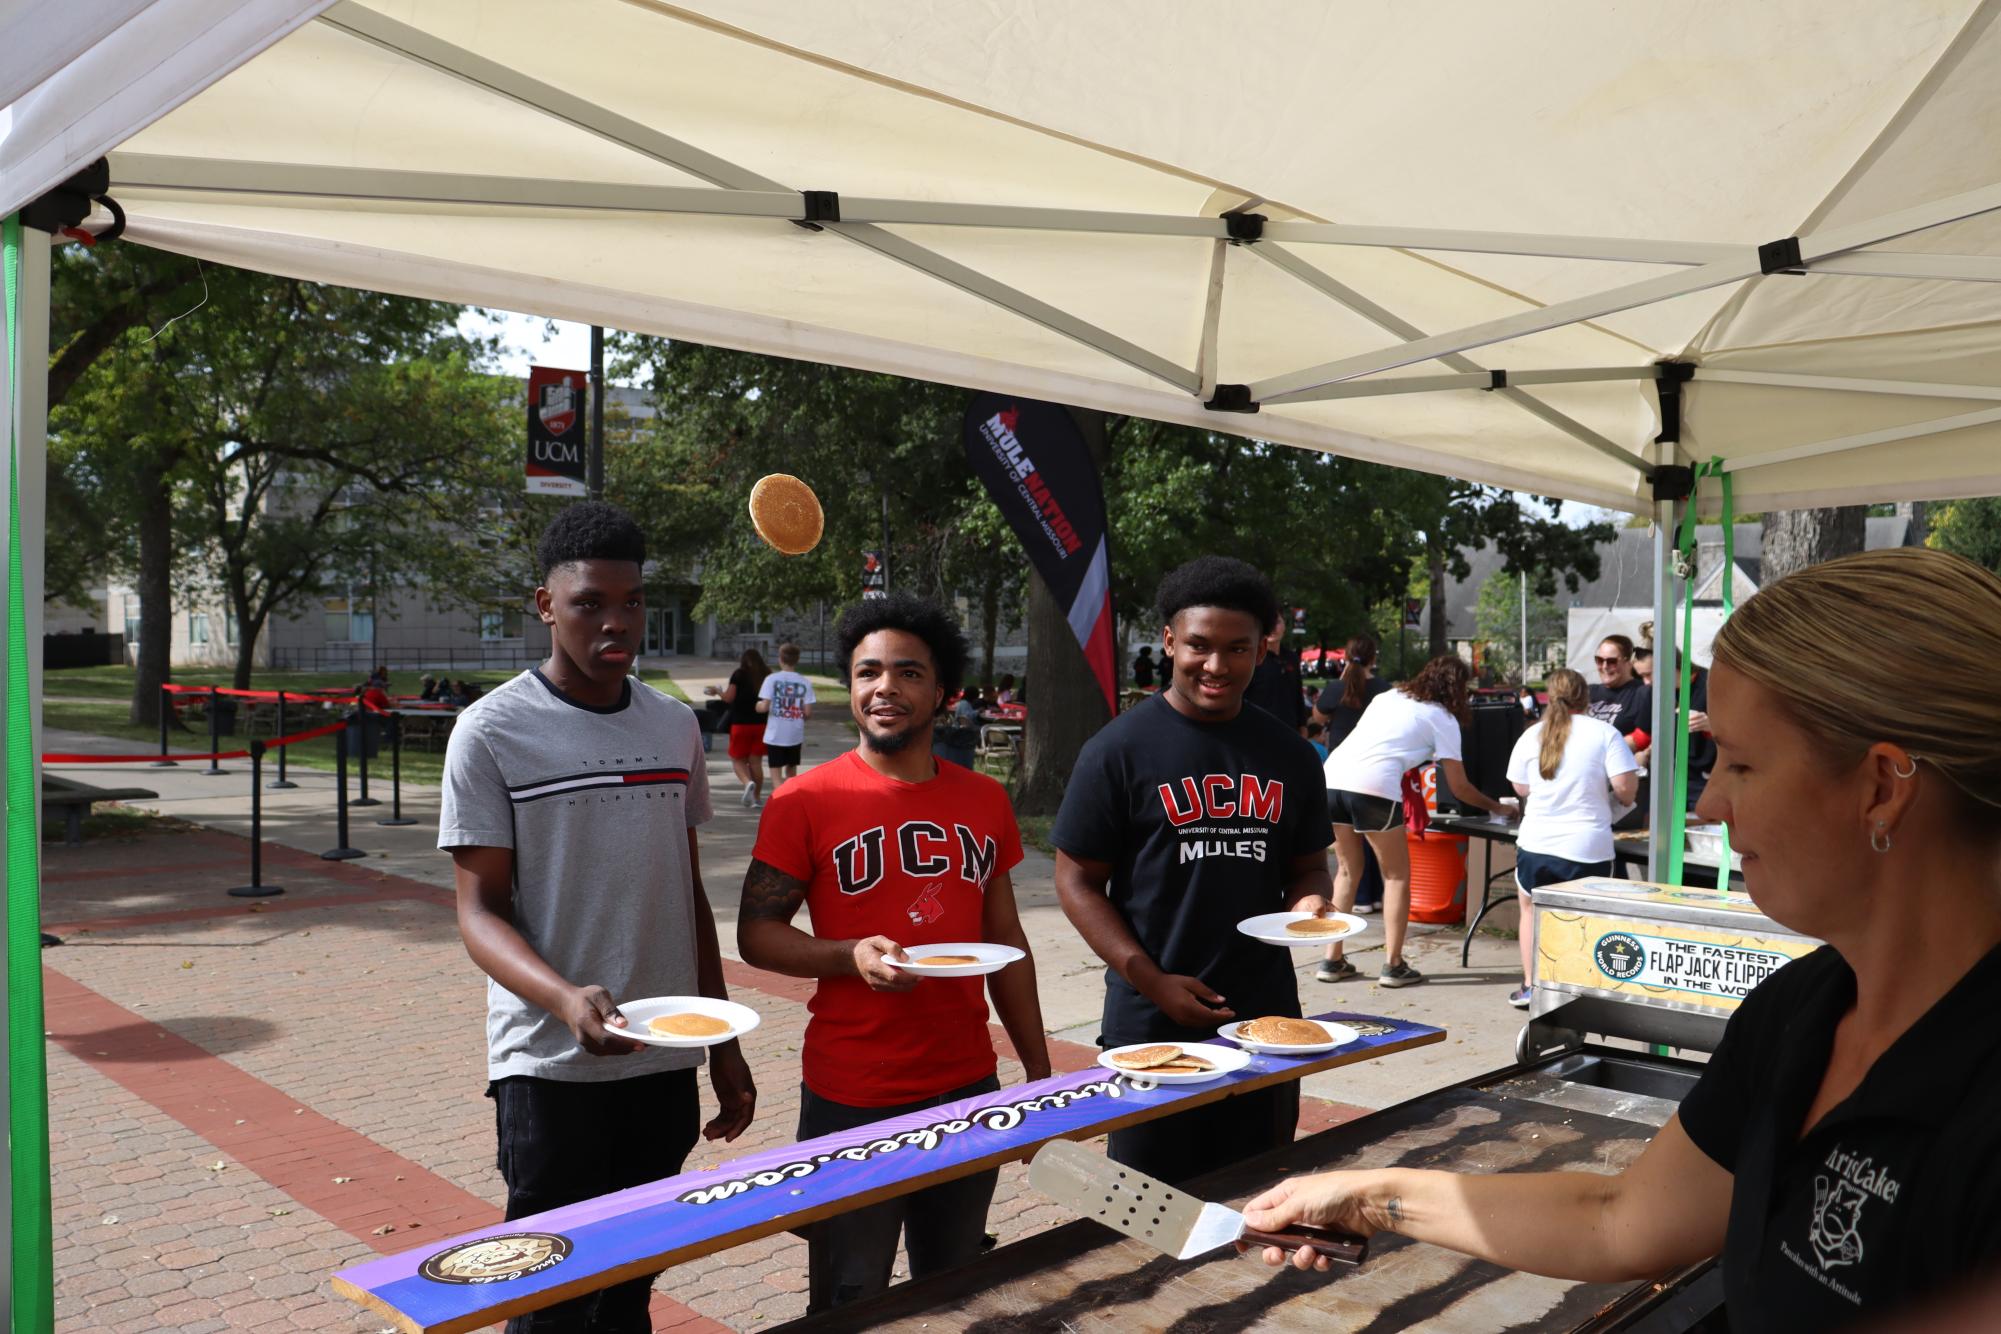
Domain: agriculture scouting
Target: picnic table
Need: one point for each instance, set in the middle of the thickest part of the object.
(75, 799)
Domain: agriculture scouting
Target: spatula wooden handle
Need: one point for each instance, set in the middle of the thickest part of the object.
(1340, 1247)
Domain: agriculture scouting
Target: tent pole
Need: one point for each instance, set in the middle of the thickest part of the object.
(25, 1244)
(1660, 768)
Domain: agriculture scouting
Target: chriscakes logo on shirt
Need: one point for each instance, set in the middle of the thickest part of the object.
(1839, 1197)
(1198, 806)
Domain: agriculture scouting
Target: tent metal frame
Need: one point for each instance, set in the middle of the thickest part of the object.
(134, 170)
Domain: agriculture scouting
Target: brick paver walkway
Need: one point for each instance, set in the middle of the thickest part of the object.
(246, 1096)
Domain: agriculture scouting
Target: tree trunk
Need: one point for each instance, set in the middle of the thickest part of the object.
(1795, 539)
(1918, 512)
(1065, 706)
(247, 630)
(1435, 556)
(156, 611)
(990, 618)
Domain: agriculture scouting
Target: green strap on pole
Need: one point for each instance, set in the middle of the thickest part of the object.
(1685, 668)
(27, 1060)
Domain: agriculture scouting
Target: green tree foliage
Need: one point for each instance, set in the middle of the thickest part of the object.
(1970, 528)
(297, 435)
(1497, 626)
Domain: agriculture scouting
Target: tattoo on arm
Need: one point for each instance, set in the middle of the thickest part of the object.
(1395, 1210)
(770, 894)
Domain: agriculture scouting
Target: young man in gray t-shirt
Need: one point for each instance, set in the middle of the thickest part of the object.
(571, 798)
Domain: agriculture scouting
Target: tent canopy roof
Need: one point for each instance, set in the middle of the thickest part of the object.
(1031, 200)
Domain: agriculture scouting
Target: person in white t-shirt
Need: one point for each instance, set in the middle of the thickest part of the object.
(786, 700)
(1576, 776)
(1403, 728)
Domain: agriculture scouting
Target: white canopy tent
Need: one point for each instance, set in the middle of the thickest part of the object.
(1451, 236)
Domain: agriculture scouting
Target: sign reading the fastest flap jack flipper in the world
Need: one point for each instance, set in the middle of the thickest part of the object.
(556, 431)
(1033, 461)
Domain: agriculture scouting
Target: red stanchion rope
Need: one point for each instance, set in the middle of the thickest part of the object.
(324, 695)
(294, 739)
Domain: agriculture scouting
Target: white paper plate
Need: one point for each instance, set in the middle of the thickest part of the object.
(1226, 1059)
(1270, 928)
(992, 958)
(740, 1018)
(1339, 1035)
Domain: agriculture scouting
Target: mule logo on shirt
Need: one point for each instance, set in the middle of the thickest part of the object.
(927, 907)
(923, 850)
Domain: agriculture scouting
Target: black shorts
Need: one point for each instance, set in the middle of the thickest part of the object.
(1366, 814)
(781, 757)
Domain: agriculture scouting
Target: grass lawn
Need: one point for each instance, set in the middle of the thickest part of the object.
(98, 700)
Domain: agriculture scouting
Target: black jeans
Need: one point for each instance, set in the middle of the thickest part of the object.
(1183, 1145)
(849, 1256)
(557, 1141)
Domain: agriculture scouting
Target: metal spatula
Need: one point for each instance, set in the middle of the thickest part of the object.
(1159, 1215)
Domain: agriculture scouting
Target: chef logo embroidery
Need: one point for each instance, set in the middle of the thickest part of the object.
(497, 1259)
(1619, 956)
(1850, 1182)
(1837, 1210)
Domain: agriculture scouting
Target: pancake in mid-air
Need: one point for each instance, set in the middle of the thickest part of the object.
(1317, 926)
(786, 514)
(943, 960)
(688, 1025)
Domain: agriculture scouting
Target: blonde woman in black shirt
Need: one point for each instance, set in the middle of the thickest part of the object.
(1843, 1150)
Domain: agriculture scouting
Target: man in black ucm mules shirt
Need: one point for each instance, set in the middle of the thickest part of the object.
(1187, 814)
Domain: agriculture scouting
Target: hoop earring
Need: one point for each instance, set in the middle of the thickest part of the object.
(1880, 840)
(1912, 772)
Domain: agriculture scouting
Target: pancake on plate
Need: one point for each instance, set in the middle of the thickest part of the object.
(1317, 926)
(1187, 1063)
(1147, 1058)
(688, 1025)
(786, 513)
(1278, 1031)
(943, 960)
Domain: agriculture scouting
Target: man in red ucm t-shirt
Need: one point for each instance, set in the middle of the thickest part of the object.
(892, 850)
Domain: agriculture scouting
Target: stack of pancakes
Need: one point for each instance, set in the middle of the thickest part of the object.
(1165, 1059)
(1317, 926)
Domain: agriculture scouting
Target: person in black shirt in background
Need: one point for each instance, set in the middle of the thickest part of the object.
(1275, 684)
(1188, 813)
(1622, 699)
(1143, 669)
(1842, 1150)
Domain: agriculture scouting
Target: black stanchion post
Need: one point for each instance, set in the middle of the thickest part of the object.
(281, 781)
(214, 739)
(256, 889)
(396, 816)
(341, 851)
(364, 733)
(166, 709)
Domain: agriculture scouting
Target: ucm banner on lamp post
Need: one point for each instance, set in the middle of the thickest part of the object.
(1032, 459)
(556, 431)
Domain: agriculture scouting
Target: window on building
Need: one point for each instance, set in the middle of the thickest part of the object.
(229, 627)
(500, 623)
(349, 620)
(131, 628)
(198, 627)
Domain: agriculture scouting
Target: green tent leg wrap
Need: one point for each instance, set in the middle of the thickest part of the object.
(27, 1059)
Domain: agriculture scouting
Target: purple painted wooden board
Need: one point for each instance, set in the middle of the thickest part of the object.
(508, 1268)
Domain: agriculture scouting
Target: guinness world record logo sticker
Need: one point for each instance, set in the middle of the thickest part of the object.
(1619, 956)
